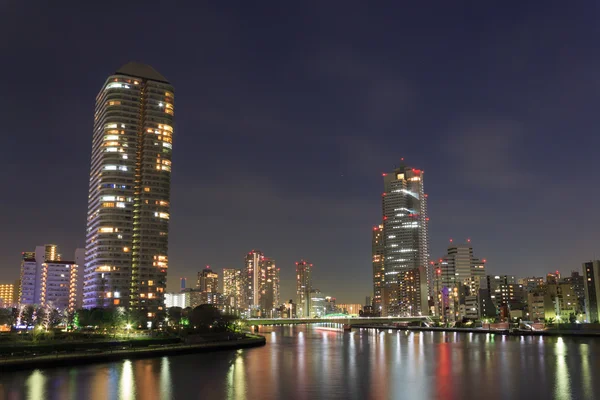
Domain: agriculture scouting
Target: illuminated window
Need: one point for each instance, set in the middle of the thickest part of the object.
(116, 85)
(111, 137)
(108, 198)
(150, 283)
(108, 204)
(110, 126)
(150, 295)
(166, 168)
(161, 215)
(110, 167)
(126, 249)
(146, 189)
(114, 103)
(168, 94)
(120, 205)
(167, 145)
(111, 149)
(116, 301)
(106, 230)
(165, 127)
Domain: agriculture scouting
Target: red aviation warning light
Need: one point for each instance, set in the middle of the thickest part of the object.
(384, 174)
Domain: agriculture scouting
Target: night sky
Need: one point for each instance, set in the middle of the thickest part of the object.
(288, 113)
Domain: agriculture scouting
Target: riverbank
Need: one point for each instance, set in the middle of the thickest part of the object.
(548, 332)
(98, 356)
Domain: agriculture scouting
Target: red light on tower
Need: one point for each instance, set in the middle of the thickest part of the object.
(484, 260)
(384, 174)
(468, 240)
(384, 218)
(451, 240)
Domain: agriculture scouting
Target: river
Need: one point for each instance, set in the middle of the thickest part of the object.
(310, 362)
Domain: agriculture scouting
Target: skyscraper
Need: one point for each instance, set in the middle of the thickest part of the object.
(303, 288)
(251, 281)
(591, 279)
(208, 280)
(377, 249)
(232, 289)
(129, 192)
(405, 241)
(269, 294)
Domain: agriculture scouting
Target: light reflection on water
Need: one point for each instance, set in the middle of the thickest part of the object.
(304, 362)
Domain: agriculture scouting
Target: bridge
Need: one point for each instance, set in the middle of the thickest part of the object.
(338, 320)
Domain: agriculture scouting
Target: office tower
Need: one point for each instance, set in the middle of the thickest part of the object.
(303, 288)
(208, 280)
(182, 282)
(251, 281)
(129, 192)
(232, 289)
(6, 295)
(591, 279)
(404, 206)
(269, 293)
(377, 249)
(457, 282)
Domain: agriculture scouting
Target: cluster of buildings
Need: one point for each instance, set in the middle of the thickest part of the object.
(254, 291)
(406, 282)
(125, 261)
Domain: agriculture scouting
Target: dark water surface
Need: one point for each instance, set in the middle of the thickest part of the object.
(308, 362)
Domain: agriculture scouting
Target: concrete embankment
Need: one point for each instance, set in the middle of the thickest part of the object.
(547, 332)
(96, 356)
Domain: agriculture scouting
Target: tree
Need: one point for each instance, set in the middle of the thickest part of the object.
(27, 316)
(174, 315)
(572, 318)
(54, 318)
(7, 316)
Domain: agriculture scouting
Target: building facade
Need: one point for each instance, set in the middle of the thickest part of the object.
(270, 291)
(303, 288)
(129, 192)
(232, 290)
(457, 279)
(208, 280)
(377, 251)
(591, 279)
(405, 240)
(47, 281)
(6, 295)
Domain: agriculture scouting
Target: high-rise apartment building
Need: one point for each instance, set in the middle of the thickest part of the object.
(251, 281)
(129, 192)
(6, 295)
(377, 249)
(46, 280)
(303, 288)
(270, 292)
(232, 289)
(405, 241)
(208, 280)
(591, 279)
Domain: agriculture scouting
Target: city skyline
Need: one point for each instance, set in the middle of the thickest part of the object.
(486, 125)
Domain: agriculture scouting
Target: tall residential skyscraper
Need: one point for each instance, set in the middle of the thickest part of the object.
(269, 293)
(6, 295)
(251, 281)
(232, 289)
(129, 192)
(591, 279)
(377, 249)
(406, 244)
(208, 280)
(303, 288)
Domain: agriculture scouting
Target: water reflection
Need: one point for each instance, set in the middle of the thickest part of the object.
(305, 363)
